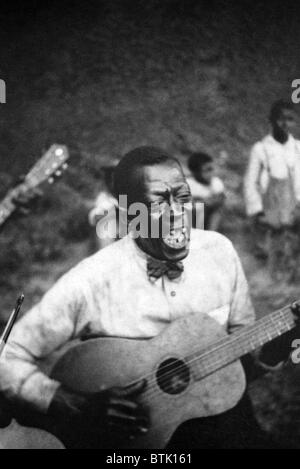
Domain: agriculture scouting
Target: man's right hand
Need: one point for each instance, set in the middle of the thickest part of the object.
(107, 415)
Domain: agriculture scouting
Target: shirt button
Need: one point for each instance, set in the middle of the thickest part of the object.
(173, 293)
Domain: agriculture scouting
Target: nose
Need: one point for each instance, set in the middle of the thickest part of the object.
(176, 214)
(176, 208)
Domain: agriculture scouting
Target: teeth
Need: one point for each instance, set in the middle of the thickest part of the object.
(176, 240)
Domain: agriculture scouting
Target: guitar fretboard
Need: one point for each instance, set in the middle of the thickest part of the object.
(52, 161)
(6, 209)
(232, 347)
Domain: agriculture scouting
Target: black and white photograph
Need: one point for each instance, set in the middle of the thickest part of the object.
(150, 227)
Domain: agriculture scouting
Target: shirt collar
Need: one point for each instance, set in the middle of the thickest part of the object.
(269, 139)
(141, 257)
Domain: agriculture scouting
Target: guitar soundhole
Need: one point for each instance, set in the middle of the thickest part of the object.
(173, 376)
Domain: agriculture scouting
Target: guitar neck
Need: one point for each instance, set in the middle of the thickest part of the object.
(233, 347)
(50, 164)
(7, 207)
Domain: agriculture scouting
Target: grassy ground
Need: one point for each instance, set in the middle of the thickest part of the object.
(182, 75)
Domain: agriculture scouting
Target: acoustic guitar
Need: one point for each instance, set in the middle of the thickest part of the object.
(192, 369)
(51, 164)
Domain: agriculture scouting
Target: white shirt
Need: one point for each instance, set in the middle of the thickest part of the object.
(269, 157)
(104, 203)
(202, 191)
(109, 294)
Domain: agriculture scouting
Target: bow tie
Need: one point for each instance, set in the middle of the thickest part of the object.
(157, 268)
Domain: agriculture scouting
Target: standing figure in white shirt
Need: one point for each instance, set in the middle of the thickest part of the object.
(206, 188)
(272, 185)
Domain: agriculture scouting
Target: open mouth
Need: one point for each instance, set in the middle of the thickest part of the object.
(177, 239)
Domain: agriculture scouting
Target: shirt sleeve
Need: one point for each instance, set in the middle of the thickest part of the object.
(40, 332)
(241, 308)
(253, 199)
(198, 191)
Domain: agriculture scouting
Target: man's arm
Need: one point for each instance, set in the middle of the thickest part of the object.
(41, 331)
(273, 354)
(242, 314)
(58, 318)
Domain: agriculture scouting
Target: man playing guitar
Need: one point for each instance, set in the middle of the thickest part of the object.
(134, 289)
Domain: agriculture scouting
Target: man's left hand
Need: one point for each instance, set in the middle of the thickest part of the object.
(295, 308)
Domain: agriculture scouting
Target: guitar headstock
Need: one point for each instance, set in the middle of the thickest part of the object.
(51, 164)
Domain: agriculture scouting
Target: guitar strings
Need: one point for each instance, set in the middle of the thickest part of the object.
(211, 367)
(227, 341)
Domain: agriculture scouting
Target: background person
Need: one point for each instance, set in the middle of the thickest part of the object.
(272, 185)
(106, 206)
(207, 188)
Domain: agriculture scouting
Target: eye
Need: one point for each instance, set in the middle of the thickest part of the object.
(184, 196)
(157, 206)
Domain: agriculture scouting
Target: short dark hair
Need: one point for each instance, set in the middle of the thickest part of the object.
(197, 160)
(277, 108)
(124, 174)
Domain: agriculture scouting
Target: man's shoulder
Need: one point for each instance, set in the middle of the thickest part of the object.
(104, 260)
(212, 248)
(204, 239)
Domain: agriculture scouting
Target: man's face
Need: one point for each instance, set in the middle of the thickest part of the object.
(284, 124)
(164, 189)
(205, 173)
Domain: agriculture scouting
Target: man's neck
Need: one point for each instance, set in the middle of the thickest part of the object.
(146, 249)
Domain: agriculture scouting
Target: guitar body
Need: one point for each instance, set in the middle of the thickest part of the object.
(19, 437)
(171, 398)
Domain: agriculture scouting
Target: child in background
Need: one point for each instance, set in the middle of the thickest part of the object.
(272, 193)
(207, 188)
(105, 205)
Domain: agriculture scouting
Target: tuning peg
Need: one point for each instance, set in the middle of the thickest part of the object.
(65, 165)
(51, 180)
(58, 173)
